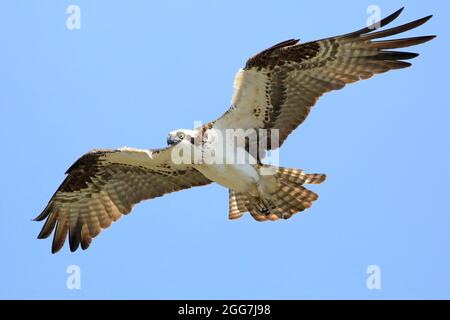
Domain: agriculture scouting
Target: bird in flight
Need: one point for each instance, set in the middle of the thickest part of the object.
(275, 91)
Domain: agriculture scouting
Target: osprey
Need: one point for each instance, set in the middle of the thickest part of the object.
(275, 91)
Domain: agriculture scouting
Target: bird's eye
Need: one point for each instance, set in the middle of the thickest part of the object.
(181, 135)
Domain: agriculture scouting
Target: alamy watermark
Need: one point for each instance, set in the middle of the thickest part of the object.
(73, 281)
(73, 21)
(373, 281)
(373, 21)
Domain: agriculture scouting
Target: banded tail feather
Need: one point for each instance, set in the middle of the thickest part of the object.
(291, 197)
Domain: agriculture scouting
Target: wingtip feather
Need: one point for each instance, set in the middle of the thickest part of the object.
(377, 25)
(59, 236)
(74, 237)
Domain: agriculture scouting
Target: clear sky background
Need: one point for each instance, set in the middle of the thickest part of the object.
(138, 69)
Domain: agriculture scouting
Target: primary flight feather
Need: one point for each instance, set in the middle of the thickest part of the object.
(274, 91)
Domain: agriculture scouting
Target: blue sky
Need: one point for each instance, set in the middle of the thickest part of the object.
(136, 70)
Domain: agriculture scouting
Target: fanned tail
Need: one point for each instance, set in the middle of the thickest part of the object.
(290, 198)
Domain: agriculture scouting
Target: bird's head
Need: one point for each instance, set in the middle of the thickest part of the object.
(180, 135)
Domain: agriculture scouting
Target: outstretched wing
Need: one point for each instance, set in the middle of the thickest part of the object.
(104, 184)
(278, 86)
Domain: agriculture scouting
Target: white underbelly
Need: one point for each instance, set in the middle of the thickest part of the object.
(238, 177)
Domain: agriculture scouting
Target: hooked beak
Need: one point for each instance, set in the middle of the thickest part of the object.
(172, 140)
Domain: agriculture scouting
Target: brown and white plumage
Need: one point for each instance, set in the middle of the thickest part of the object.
(104, 184)
(278, 87)
(275, 90)
(291, 198)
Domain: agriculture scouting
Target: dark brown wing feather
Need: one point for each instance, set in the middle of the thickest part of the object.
(278, 86)
(104, 184)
